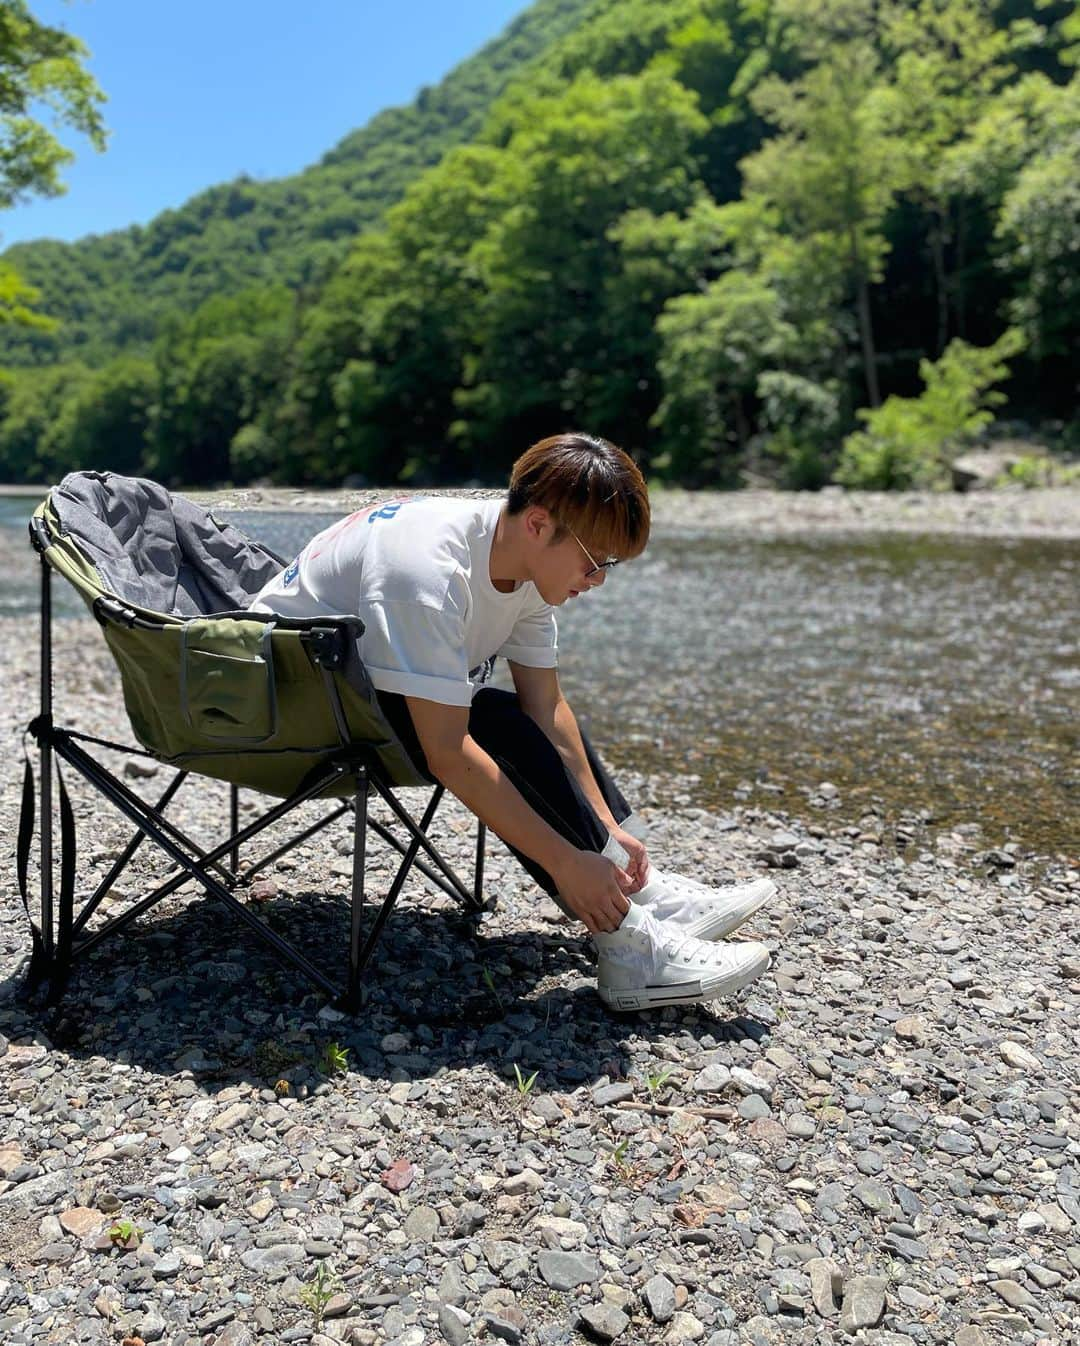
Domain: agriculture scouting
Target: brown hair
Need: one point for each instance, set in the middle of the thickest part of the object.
(589, 487)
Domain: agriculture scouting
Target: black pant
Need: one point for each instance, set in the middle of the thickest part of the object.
(529, 759)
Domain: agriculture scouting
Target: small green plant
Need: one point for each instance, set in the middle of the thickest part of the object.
(656, 1083)
(334, 1059)
(123, 1232)
(489, 982)
(618, 1156)
(524, 1086)
(319, 1291)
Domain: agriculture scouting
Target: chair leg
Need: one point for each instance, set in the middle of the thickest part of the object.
(478, 873)
(360, 822)
(234, 827)
(46, 832)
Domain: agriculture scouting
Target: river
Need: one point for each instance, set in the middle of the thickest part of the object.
(934, 681)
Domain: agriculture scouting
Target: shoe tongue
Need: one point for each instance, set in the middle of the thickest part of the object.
(653, 888)
(635, 918)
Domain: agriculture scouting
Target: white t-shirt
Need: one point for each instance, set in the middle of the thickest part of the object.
(417, 572)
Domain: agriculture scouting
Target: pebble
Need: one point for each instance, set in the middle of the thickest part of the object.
(1019, 1057)
(864, 1303)
(659, 1296)
(604, 1321)
(566, 1271)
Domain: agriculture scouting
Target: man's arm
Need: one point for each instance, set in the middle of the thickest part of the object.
(588, 882)
(542, 700)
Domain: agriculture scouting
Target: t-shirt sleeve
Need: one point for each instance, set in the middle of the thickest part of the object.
(534, 641)
(417, 650)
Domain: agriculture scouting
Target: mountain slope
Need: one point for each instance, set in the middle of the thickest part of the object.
(113, 291)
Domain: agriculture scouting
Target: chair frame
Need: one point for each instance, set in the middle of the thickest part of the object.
(61, 940)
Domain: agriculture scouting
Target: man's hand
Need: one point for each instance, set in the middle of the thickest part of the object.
(637, 858)
(592, 887)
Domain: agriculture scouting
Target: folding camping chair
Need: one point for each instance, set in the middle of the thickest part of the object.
(277, 705)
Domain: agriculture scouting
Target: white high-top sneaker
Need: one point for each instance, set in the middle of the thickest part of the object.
(705, 913)
(646, 964)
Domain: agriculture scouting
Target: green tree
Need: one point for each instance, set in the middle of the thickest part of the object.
(40, 67)
(106, 422)
(948, 62)
(714, 347)
(907, 441)
(837, 165)
(554, 342)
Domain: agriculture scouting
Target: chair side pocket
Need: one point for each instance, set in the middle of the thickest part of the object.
(227, 690)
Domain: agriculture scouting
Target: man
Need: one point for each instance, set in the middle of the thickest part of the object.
(444, 586)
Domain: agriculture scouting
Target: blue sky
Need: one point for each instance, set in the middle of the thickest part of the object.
(205, 89)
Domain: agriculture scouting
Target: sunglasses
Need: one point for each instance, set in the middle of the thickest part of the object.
(597, 566)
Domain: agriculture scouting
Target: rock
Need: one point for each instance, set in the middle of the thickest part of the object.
(545, 1107)
(274, 1259)
(1013, 1293)
(520, 1184)
(455, 1324)
(873, 1195)
(151, 1325)
(1019, 1057)
(471, 1217)
(566, 1271)
(714, 1079)
(864, 1303)
(504, 1328)
(11, 1158)
(753, 1108)
(612, 1093)
(978, 469)
(83, 1221)
(684, 1327)
(167, 1266)
(910, 1029)
(971, 1335)
(398, 1176)
(604, 1321)
(826, 1285)
(748, 1083)
(422, 1224)
(659, 1296)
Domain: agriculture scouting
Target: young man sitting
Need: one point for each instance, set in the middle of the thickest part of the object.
(445, 586)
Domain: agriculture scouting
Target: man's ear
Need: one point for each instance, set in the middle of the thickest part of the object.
(539, 525)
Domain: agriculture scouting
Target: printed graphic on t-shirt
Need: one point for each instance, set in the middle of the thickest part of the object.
(479, 675)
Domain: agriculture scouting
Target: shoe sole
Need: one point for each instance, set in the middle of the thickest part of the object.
(715, 928)
(684, 993)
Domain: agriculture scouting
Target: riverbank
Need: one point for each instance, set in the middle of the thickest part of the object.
(880, 1136)
(1052, 512)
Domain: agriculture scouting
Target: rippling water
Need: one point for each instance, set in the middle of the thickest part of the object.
(917, 674)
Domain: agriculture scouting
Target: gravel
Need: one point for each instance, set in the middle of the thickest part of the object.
(879, 1138)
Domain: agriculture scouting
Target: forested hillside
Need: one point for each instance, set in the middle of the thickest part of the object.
(816, 239)
(112, 291)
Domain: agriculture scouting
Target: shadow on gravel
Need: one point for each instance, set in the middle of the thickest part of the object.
(181, 993)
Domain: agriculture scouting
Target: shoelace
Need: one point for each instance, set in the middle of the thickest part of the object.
(685, 947)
